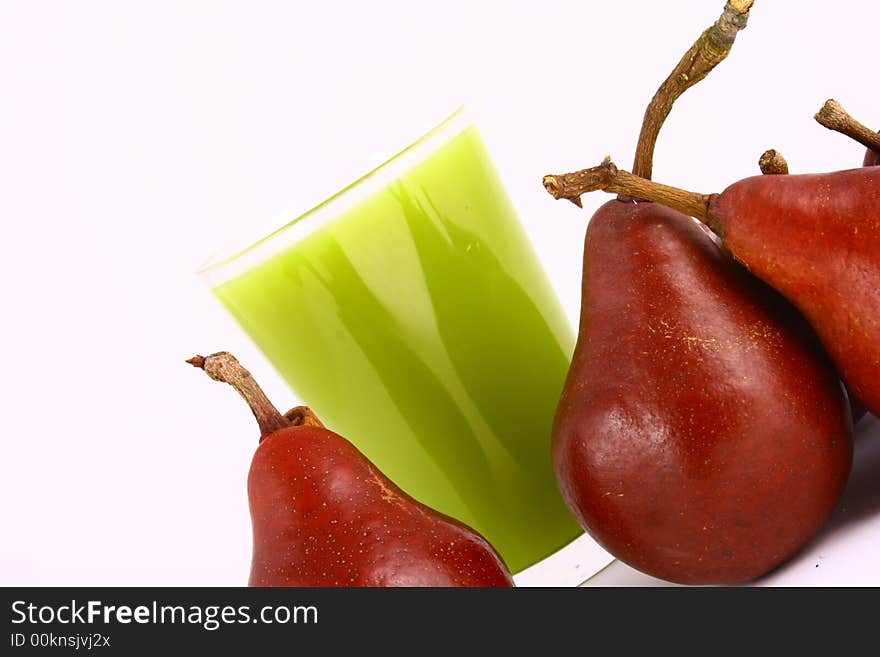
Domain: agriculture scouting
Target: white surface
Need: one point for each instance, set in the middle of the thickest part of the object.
(136, 138)
(573, 565)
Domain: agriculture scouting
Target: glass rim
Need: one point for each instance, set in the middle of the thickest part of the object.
(229, 263)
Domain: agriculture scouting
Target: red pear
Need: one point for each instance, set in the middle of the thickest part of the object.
(702, 435)
(834, 117)
(324, 515)
(772, 162)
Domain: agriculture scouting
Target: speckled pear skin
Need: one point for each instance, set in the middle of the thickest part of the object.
(323, 515)
(702, 435)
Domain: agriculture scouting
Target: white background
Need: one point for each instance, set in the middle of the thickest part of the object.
(136, 138)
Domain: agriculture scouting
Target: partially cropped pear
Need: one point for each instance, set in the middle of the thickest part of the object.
(702, 435)
(833, 116)
(324, 515)
(772, 163)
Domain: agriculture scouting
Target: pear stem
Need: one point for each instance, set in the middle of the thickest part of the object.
(706, 53)
(224, 367)
(834, 117)
(772, 163)
(607, 177)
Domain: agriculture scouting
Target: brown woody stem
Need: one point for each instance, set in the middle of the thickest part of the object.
(772, 163)
(707, 52)
(224, 367)
(834, 117)
(607, 177)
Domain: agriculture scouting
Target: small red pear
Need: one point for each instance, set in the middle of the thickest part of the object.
(324, 516)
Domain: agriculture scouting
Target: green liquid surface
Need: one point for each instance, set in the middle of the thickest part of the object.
(420, 325)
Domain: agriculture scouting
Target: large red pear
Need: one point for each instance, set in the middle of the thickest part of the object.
(702, 435)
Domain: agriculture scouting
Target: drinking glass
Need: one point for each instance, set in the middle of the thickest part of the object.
(410, 312)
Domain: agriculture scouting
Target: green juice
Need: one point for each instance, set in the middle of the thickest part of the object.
(419, 324)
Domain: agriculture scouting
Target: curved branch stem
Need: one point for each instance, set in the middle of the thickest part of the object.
(224, 367)
(607, 177)
(707, 52)
(834, 117)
